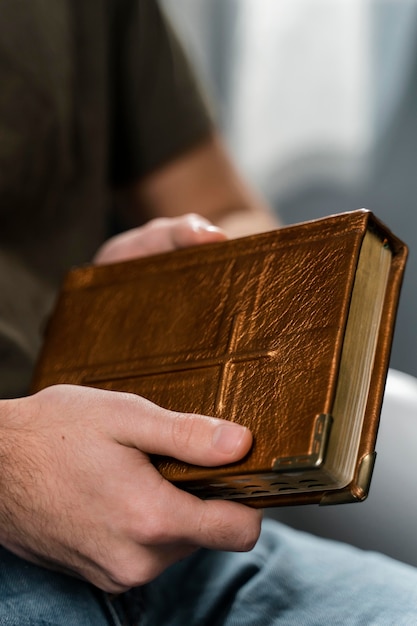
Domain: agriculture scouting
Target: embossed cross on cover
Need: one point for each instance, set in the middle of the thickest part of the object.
(287, 332)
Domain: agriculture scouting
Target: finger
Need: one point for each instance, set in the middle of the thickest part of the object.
(192, 229)
(197, 439)
(157, 236)
(222, 525)
(166, 234)
(212, 524)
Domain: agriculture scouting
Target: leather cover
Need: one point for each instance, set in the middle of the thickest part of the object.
(250, 330)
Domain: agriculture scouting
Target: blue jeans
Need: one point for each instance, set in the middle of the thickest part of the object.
(290, 578)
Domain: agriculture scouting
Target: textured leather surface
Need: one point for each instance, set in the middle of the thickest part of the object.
(250, 330)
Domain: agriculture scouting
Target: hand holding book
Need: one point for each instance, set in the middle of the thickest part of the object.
(287, 333)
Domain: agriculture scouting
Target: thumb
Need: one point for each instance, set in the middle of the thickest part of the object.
(196, 439)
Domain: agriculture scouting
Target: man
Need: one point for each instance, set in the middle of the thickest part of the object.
(95, 98)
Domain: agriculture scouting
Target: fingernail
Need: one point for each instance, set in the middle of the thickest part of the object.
(228, 437)
(199, 226)
(213, 229)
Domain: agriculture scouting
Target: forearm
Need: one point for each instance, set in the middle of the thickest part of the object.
(205, 181)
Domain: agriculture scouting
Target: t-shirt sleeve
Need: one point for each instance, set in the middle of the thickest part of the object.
(157, 108)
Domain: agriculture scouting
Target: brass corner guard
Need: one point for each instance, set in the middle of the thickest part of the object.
(316, 457)
(360, 492)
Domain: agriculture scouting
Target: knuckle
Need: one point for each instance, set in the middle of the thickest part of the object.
(182, 428)
(219, 529)
(129, 572)
(124, 578)
(250, 536)
(239, 532)
(153, 532)
(191, 217)
(156, 223)
(152, 529)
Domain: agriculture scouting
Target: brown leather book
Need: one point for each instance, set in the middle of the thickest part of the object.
(288, 332)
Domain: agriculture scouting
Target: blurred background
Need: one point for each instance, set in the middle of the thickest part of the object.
(317, 100)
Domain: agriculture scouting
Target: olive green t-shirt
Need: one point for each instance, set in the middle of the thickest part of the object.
(93, 94)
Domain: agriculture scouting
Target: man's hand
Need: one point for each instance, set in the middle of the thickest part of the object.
(79, 493)
(159, 235)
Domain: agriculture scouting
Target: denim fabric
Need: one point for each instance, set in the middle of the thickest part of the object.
(290, 579)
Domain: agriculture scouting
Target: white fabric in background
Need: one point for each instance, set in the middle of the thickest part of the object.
(299, 82)
(307, 85)
(300, 90)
